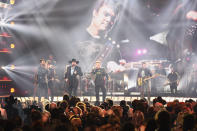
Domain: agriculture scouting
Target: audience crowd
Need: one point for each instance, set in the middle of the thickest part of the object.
(72, 114)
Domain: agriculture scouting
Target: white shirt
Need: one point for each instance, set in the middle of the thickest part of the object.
(72, 70)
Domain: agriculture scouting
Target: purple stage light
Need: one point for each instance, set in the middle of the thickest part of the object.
(144, 51)
(139, 52)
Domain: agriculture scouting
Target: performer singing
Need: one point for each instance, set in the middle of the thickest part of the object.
(143, 82)
(51, 79)
(51, 60)
(42, 80)
(100, 78)
(72, 77)
(173, 79)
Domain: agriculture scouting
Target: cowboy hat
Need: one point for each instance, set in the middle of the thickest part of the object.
(74, 60)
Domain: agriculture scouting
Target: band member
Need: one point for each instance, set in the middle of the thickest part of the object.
(51, 79)
(100, 78)
(51, 60)
(72, 77)
(142, 83)
(42, 80)
(158, 82)
(173, 79)
(161, 70)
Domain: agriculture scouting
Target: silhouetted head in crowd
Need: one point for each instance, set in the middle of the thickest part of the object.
(188, 122)
(151, 125)
(160, 100)
(105, 106)
(55, 113)
(64, 105)
(123, 103)
(73, 101)
(129, 103)
(128, 126)
(164, 121)
(110, 102)
(66, 97)
(36, 116)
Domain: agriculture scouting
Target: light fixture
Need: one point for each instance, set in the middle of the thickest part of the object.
(12, 2)
(12, 23)
(12, 90)
(12, 67)
(12, 46)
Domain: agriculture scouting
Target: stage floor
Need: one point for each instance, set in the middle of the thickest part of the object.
(114, 98)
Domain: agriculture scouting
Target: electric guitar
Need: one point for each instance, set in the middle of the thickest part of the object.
(141, 81)
(169, 83)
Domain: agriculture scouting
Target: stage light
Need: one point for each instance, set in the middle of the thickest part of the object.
(12, 23)
(5, 78)
(109, 38)
(144, 51)
(12, 2)
(12, 67)
(118, 46)
(12, 46)
(3, 67)
(139, 52)
(125, 41)
(2, 23)
(113, 42)
(12, 90)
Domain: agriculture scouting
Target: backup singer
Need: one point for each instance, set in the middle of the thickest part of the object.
(42, 80)
(51, 78)
(142, 83)
(72, 77)
(51, 60)
(100, 78)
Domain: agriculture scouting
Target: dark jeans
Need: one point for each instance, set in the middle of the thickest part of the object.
(147, 89)
(72, 88)
(173, 89)
(103, 89)
(52, 89)
(42, 91)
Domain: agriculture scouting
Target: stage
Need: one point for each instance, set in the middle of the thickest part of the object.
(119, 96)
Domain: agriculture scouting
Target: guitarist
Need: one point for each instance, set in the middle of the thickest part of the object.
(173, 79)
(143, 84)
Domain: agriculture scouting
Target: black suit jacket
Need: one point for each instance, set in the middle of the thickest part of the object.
(77, 71)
